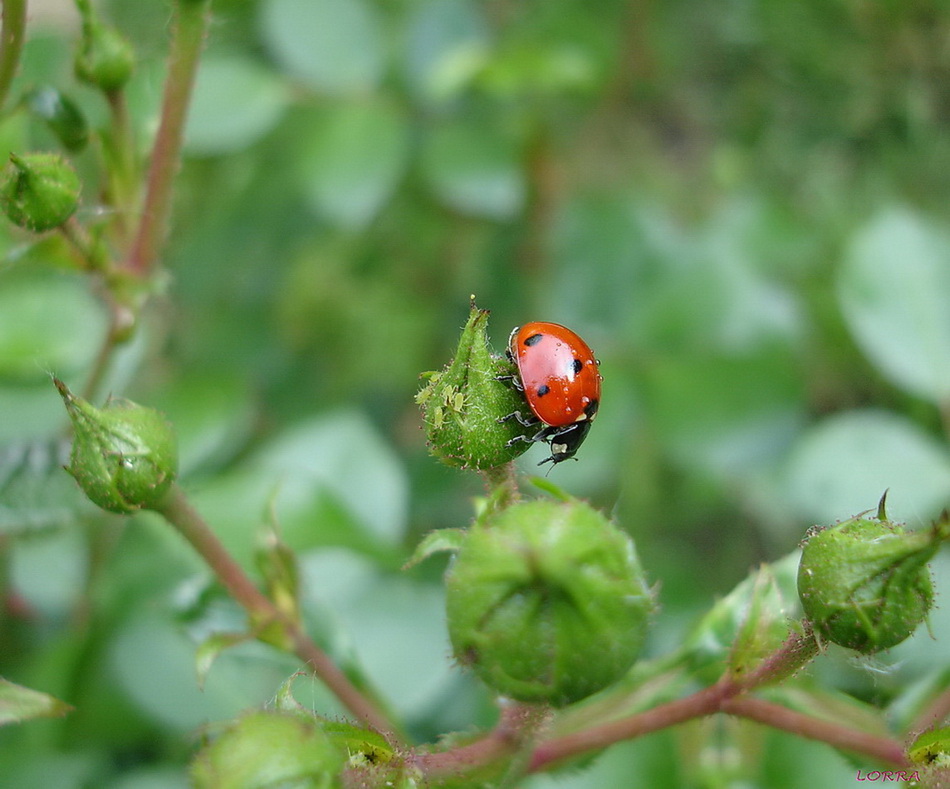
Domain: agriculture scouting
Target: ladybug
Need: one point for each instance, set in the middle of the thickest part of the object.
(558, 375)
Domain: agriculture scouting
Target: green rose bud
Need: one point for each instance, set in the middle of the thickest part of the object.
(462, 404)
(746, 625)
(39, 191)
(547, 602)
(105, 58)
(61, 115)
(124, 456)
(932, 748)
(261, 750)
(864, 583)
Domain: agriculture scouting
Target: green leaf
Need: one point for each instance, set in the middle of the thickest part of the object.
(236, 102)
(894, 291)
(213, 415)
(209, 650)
(728, 415)
(916, 696)
(448, 44)
(475, 168)
(49, 571)
(18, 704)
(35, 492)
(374, 614)
(436, 542)
(344, 454)
(354, 160)
(47, 323)
(842, 465)
(331, 480)
(336, 46)
(153, 663)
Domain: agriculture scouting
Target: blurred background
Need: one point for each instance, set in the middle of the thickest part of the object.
(741, 206)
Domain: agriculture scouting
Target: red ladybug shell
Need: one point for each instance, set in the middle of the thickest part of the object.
(558, 373)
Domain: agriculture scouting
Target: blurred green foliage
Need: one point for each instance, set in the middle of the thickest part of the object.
(743, 208)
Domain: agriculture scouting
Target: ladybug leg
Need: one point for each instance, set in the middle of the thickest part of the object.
(541, 435)
(522, 420)
(532, 421)
(511, 379)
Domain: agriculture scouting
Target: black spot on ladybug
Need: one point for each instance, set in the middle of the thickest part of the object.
(534, 339)
(578, 366)
(591, 408)
(543, 390)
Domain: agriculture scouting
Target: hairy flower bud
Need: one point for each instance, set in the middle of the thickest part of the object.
(864, 583)
(547, 602)
(124, 456)
(269, 749)
(462, 404)
(105, 58)
(39, 191)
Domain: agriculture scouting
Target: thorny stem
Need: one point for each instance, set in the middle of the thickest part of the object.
(178, 511)
(190, 27)
(11, 43)
(729, 695)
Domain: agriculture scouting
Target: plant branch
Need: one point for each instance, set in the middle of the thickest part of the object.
(704, 702)
(11, 43)
(797, 650)
(882, 749)
(178, 511)
(935, 714)
(190, 28)
(123, 171)
(516, 726)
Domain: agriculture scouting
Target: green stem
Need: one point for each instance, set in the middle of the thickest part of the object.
(178, 511)
(190, 28)
(11, 43)
(122, 167)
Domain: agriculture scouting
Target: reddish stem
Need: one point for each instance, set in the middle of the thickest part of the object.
(190, 26)
(178, 511)
(882, 749)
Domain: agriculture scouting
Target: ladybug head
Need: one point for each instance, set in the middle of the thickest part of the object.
(565, 441)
